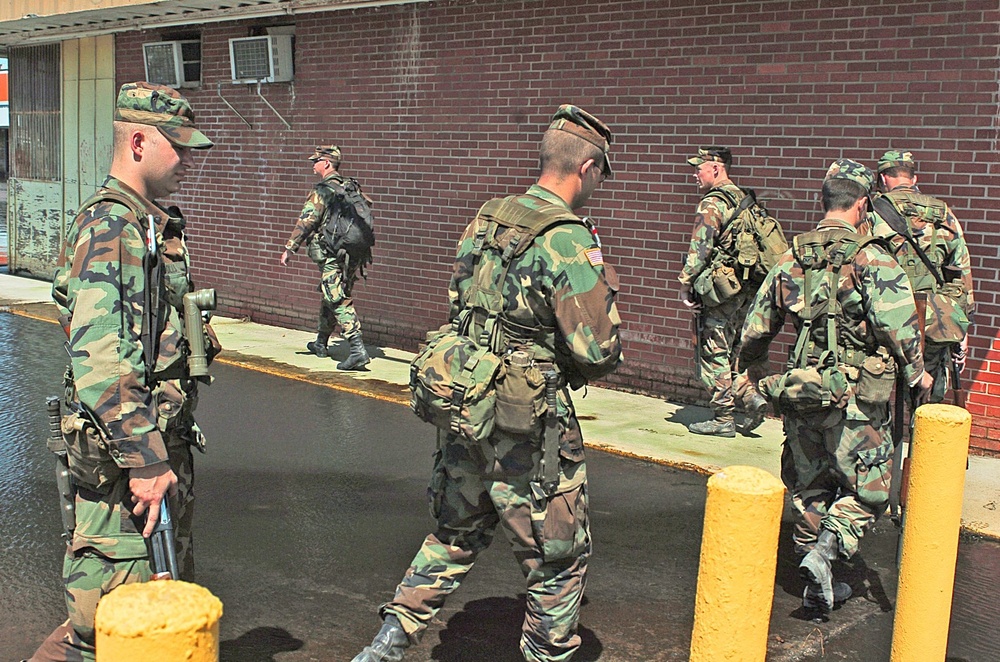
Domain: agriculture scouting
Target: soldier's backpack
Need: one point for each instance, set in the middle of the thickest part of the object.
(813, 382)
(347, 229)
(454, 379)
(755, 236)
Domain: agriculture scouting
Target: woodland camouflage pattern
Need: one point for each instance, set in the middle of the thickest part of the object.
(718, 343)
(335, 285)
(560, 288)
(99, 292)
(939, 235)
(836, 465)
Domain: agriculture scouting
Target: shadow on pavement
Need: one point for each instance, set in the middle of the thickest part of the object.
(260, 644)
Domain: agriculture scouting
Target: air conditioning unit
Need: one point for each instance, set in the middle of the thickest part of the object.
(173, 63)
(264, 59)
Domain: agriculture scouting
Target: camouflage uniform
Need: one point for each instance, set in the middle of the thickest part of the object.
(943, 243)
(837, 465)
(100, 293)
(720, 325)
(560, 294)
(335, 285)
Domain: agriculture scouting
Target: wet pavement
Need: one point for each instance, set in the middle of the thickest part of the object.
(311, 504)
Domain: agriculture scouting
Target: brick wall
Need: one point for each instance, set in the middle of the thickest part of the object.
(439, 106)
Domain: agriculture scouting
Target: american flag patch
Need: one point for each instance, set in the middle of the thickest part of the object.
(595, 257)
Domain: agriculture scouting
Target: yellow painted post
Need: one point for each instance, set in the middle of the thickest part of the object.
(739, 554)
(161, 621)
(932, 519)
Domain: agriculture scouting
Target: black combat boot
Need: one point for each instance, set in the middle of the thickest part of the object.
(319, 346)
(724, 426)
(816, 571)
(388, 645)
(358, 358)
(811, 597)
(754, 415)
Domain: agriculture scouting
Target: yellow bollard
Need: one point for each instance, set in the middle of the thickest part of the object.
(739, 554)
(932, 519)
(161, 621)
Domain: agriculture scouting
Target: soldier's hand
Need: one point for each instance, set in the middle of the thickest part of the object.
(921, 389)
(284, 257)
(959, 352)
(149, 486)
(687, 298)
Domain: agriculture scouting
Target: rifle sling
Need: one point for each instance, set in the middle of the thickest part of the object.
(888, 212)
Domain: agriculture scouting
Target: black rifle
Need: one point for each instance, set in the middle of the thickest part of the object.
(64, 481)
(164, 551)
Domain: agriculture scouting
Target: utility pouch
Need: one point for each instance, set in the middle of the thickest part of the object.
(87, 451)
(520, 392)
(452, 385)
(947, 320)
(876, 379)
(808, 390)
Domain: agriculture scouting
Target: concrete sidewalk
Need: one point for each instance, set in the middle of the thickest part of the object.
(624, 423)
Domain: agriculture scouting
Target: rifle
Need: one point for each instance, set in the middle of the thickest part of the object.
(164, 556)
(64, 481)
(699, 328)
(956, 385)
(548, 467)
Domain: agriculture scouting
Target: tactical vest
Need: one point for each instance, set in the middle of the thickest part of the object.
(922, 209)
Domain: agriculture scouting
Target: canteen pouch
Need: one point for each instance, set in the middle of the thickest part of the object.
(87, 452)
(726, 283)
(946, 320)
(452, 385)
(807, 390)
(520, 392)
(875, 381)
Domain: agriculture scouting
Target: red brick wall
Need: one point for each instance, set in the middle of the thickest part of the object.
(439, 106)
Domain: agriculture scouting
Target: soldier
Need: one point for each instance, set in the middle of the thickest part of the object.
(721, 321)
(837, 456)
(925, 225)
(559, 315)
(336, 277)
(129, 390)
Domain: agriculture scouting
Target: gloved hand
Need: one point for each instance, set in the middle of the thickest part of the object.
(959, 352)
(688, 298)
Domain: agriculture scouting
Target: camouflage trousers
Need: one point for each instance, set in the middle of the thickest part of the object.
(937, 363)
(108, 550)
(473, 491)
(718, 349)
(838, 476)
(337, 306)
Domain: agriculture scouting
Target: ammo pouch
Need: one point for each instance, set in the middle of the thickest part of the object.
(520, 394)
(875, 380)
(717, 284)
(946, 320)
(452, 383)
(87, 451)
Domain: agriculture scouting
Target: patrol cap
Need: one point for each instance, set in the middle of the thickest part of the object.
(894, 158)
(852, 170)
(326, 152)
(712, 154)
(582, 124)
(162, 107)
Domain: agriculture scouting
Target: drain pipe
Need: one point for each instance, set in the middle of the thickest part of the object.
(218, 90)
(275, 110)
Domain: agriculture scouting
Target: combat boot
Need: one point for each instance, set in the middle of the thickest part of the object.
(318, 347)
(388, 645)
(358, 358)
(842, 592)
(756, 410)
(719, 427)
(816, 571)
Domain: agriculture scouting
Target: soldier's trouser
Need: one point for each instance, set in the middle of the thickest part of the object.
(472, 492)
(337, 306)
(838, 477)
(937, 363)
(718, 348)
(108, 551)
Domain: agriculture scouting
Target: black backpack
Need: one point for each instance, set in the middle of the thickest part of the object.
(346, 231)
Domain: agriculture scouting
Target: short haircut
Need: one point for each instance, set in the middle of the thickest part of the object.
(563, 153)
(841, 194)
(905, 170)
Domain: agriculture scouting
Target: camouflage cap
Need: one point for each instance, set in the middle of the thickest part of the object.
(162, 107)
(326, 152)
(852, 170)
(582, 124)
(894, 158)
(712, 154)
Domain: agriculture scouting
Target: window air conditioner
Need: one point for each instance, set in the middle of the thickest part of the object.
(173, 63)
(264, 59)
